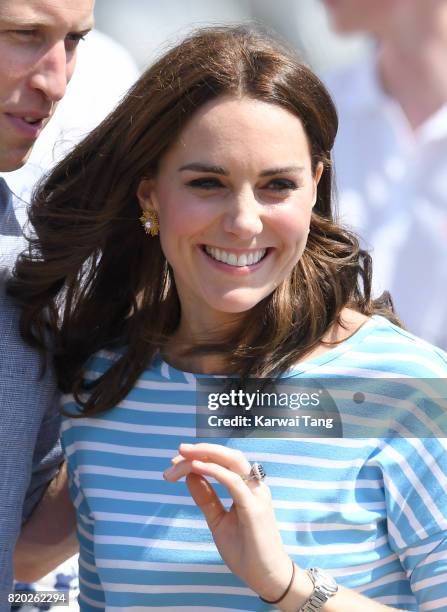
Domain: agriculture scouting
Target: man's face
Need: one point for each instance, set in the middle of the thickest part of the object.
(370, 16)
(38, 40)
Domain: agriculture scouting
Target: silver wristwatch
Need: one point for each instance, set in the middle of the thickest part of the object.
(324, 588)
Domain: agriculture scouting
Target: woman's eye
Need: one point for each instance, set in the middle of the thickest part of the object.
(206, 183)
(281, 185)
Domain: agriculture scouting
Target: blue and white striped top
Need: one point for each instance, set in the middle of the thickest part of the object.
(373, 512)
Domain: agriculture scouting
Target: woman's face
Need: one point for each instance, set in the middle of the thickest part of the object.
(234, 197)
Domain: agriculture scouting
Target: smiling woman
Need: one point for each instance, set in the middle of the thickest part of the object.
(233, 228)
(222, 150)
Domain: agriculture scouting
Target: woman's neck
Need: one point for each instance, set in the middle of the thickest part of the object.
(217, 363)
(192, 333)
(211, 364)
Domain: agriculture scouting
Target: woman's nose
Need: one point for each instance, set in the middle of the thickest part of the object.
(243, 218)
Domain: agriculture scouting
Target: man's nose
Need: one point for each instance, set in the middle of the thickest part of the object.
(52, 72)
(243, 219)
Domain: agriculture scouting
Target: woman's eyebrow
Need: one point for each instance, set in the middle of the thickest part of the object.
(197, 167)
(281, 170)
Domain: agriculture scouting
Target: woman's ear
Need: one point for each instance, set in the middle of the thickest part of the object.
(316, 179)
(318, 172)
(146, 195)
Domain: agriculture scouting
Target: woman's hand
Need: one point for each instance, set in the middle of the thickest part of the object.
(247, 535)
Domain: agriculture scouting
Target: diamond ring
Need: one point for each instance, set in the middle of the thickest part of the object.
(257, 472)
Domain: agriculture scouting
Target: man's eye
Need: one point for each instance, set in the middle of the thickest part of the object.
(206, 183)
(281, 185)
(73, 40)
(24, 33)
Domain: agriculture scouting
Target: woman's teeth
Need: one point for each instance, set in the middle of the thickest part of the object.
(246, 259)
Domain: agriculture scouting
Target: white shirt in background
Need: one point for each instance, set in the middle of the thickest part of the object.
(392, 189)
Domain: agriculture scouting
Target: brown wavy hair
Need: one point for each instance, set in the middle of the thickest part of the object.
(95, 280)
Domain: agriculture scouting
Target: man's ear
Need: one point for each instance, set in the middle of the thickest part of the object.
(146, 195)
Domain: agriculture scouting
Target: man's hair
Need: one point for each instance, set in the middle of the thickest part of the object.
(95, 278)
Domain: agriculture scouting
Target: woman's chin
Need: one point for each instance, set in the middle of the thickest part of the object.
(236, 305)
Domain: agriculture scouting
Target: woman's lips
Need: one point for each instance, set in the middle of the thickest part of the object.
(234, 269)
(239, 258)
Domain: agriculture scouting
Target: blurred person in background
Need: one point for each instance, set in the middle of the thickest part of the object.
(39, 43)
(391, 151)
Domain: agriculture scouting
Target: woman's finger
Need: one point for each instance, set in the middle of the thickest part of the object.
(237, 488)
(177, 459)
(178, 470)
(229, 458)
(206, 499)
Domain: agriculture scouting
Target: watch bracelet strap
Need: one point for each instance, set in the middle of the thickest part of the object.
(319, 597)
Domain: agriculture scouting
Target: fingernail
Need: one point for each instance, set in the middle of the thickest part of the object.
(186, 446)
(168, 473)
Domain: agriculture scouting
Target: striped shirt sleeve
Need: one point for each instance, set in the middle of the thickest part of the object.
(429, 575)
(415, 479)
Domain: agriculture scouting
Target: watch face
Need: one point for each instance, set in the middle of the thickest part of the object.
(324, 588)
(328, 579)
(323, 579)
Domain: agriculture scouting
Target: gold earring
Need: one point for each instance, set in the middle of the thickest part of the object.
(149, 221)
